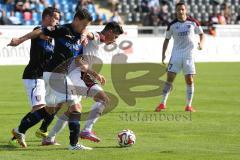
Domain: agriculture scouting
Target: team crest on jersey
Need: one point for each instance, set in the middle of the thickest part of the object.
(38, 98)
(189, 26)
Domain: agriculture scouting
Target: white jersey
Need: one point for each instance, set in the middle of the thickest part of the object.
(92, 50)
(183, 34)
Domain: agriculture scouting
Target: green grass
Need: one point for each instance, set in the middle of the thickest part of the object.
(210, 133)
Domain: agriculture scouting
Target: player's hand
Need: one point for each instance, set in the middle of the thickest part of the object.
(14, 42)
(200, 46)
(84, 39)
(101, 79)
(84, 42)
(163, 58)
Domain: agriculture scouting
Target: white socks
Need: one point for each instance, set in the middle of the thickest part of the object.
(94, 115)
(59, 126)
(189, 94)
(166, 91)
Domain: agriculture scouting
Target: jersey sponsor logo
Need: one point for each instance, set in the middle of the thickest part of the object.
(184, 33)
(75, 48)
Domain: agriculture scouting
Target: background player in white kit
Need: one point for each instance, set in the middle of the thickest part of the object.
(183, 30)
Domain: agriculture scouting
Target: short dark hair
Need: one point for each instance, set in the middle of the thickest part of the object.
(49, 11)
(114, 26)
(180, 4)
(83, 14)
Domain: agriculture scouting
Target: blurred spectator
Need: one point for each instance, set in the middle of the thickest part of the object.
(213, 19)
(26, 6)
(113, 4)
(163, 15)
(227, 13)
(143, 8)
(15, 20)
(19, 5)
(153, 4)
(116, 18)
(4, 20)
(221, 18)
(151, 19)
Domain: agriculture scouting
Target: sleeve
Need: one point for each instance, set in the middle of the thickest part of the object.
(169, 32)
(53, 32)
(198, 29)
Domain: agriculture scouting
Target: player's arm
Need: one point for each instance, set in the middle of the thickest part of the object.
(55, 31)
(201, 42)
(85, 37)
(34, 34)
(164, 48)
(166, 41)
(95, 37)
(198, 30)
(84, 68)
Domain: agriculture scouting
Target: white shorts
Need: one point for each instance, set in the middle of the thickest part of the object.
(66, 88)
(35, 89)
(80, 87)
(177, 63)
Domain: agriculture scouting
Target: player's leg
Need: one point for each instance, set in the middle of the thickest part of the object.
(42, 131)
(174, 67)
(167, 87)
(97, 109)
(189, 70)
(53, 105)
(36, 96)
(47, 117)
(74, 114)
(189, 92)
(58, 127)
(57, 101)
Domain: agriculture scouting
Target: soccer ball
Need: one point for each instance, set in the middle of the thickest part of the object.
(126, 138)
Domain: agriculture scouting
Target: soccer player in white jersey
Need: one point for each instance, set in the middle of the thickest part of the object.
(183, 30)
(107, 36)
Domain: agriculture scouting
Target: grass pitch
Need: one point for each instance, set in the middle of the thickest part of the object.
(210, 133)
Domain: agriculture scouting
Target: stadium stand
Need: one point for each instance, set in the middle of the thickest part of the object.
(161, 12)
(141, 12)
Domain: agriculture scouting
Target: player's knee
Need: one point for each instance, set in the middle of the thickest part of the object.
(37, 107)
(75, 107)
(170, 77)
(74, 116)
(189, 81)
(103, 98)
